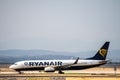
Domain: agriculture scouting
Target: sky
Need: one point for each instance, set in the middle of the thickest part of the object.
(59, 25)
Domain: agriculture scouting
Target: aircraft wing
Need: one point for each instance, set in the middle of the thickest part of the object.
(67, 65)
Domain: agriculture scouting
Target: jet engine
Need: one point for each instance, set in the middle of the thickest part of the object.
(49, 69)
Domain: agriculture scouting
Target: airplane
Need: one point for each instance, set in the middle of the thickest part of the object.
(58, 65)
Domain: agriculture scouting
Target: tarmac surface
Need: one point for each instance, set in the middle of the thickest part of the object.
(55, 76)
(97, 73)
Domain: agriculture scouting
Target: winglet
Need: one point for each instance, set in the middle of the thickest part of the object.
(76, 60)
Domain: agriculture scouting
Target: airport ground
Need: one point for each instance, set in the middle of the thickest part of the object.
(98, 73)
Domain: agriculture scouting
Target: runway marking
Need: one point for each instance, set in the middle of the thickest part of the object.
(55, 76)
(60, 75)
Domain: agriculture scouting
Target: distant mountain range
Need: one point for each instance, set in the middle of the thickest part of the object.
(11, 56)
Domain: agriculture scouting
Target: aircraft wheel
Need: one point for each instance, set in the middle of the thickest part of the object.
(60, 72)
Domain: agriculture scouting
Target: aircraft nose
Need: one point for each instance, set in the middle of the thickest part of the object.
(11, 67)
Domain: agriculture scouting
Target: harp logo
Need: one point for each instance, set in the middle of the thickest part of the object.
(103, 52)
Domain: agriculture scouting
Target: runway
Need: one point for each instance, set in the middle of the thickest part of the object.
(97, 70)
(50, 74)
(54, 76)
(97, 73)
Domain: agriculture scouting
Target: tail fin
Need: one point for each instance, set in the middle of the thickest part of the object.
(102, 52)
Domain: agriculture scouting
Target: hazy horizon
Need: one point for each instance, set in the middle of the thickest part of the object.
(64, 25)
(17, 55)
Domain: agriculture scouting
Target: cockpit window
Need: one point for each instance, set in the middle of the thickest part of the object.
(15, 64)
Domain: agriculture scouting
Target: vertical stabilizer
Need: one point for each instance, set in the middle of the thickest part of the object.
(102, 52)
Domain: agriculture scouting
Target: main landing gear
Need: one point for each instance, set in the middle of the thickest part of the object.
(19, 72)
(60, 71)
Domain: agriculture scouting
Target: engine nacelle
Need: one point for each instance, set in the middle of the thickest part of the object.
(49, 69)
